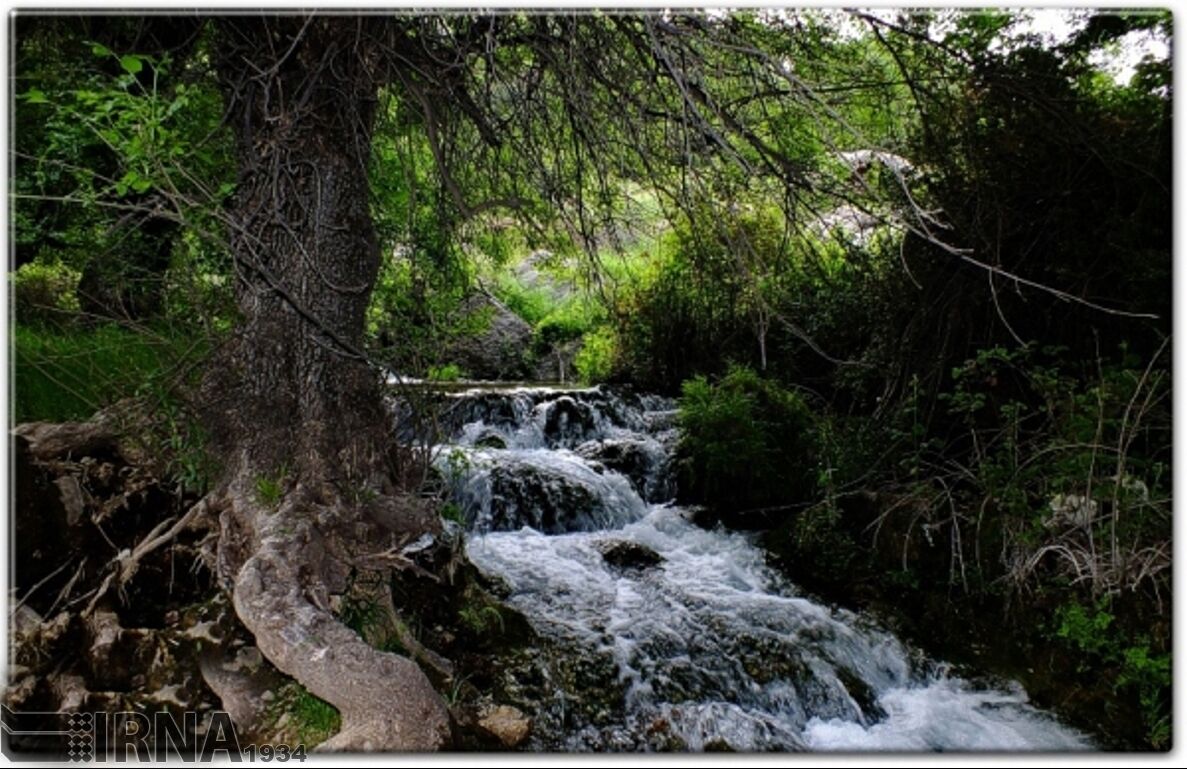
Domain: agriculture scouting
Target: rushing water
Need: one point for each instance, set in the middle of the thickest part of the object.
(698, 643)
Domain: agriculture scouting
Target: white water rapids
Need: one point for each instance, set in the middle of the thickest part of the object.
(698, 636)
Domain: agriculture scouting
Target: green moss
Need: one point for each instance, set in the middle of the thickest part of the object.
(479, 613)
(301, 718)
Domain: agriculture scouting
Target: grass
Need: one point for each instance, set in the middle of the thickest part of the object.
(69, 375)
(269, 490)
(311, 720)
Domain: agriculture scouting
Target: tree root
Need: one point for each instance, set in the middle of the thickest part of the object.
(128, 562)
(280, 565)
(386, 701)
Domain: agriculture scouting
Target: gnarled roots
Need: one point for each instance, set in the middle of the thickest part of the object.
(283, 563)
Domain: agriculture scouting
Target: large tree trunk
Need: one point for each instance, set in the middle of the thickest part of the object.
(297, 414)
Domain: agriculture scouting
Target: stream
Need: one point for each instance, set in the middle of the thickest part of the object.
(667, 635)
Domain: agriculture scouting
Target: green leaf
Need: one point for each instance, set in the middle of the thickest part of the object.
(35, 96)
(131, 64)
(100, 50)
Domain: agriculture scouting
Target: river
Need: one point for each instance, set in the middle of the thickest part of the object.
(693, 641)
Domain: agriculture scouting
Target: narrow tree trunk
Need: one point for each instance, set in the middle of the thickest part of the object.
(297, 413)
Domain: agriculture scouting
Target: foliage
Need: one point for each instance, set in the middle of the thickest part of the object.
(745, 442)
(713, 257)
(107, 137)
(183, 441)
(531, 304)
(1140, 670)
(1075, 468)
(44, 293)
(453, 513)
(481, 619)
(561, 325)
(703, 297)
(597, 360)
(450, 372)
(480, 614)
(365, 616)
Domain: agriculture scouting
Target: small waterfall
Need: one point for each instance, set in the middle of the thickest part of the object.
(672, 636)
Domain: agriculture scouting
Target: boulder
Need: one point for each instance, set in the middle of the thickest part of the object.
(499, 349)
(506, 724)
(624, 554)
(568, 422)
(646, 468)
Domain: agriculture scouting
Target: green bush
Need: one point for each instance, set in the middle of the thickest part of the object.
(745, 443)
(558, 328)
(597, 358)
(1139, 668)
(449, 372)
(44, 293)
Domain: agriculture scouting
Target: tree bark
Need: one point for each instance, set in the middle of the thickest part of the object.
(296, 412)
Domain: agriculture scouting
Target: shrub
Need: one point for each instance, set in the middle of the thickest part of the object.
(450, 372)
(745, 443)
(1139, 668)
(557, 329)
(596, 360)
(44, 293)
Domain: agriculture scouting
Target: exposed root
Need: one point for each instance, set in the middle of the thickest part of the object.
(110, 604)
(141, 641)
(386, 701)
(127, 563)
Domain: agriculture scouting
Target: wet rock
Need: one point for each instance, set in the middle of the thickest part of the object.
(595, 693)
(864, 695)
(661, 739)
(553, 496)
(645, 468)
(491, 439)
(568, 422)
(527, 496)
(623, 554)
(494, 409)
(507, 724)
